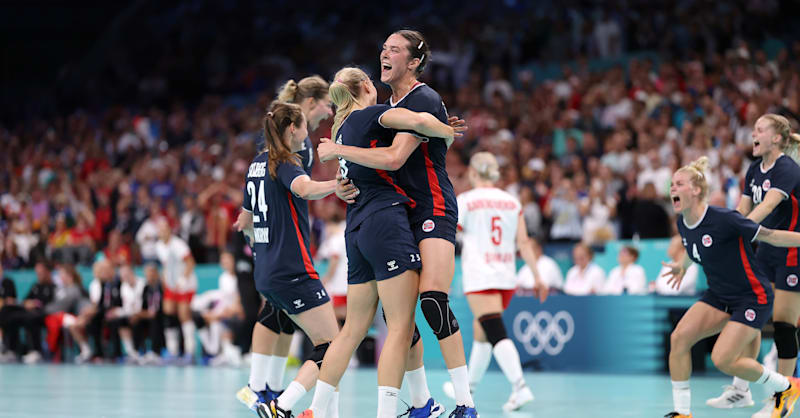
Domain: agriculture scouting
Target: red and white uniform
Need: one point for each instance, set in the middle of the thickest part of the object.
(488, 218)
(334, 246)
(173, 255)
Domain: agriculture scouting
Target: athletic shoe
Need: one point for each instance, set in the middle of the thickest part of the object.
(518, 398)
(430, 410)
(8, 357)
(464, 412)
(732, 397)
(32, 358)
(251, 398)
(784, 401)
(273, 410)
(677, 415)
(766, 411)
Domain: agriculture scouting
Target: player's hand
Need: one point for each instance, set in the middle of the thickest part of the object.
(674, 275)
(244, 221)
(541, 290)
(326, 149)
(346, 190)
(459, 125)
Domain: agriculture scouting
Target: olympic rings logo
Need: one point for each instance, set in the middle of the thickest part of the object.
(544, 331)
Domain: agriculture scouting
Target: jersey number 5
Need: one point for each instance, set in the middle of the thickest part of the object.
(257, 200)
(497, 231)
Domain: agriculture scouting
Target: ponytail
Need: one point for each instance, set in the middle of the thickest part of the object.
(276, 121)
(790, 142)
(344, 92)
(696, 170)
(313, 86)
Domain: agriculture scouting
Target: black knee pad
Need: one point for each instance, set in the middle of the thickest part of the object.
(786, 340)
(319, 353)
(287, 325)
(436, 309)
(269, 317)
(493, 327)
(416, 337)
(171, 321)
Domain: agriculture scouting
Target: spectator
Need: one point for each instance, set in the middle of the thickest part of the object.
(104, 292)
(628, 277)
(585, 277)
(597, 211)
(147, 234)
(147, 322)
(8, 304)
(32, 317)
(563, 209)
(131, 295)
(192, 226)
(649, 217)
(548, 270)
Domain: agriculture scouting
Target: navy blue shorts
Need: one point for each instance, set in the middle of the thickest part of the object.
(443, 227)
(784, 278)
(301, 296)
(744, 310)
(381, 247)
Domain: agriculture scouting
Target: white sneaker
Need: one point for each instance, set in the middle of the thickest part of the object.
(518, 398)
(83, 357)
(8, 357)
(732, 398)
(32, 358)
(766, 411)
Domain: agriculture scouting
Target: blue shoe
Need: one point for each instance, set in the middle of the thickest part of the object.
(430, 410)
(464, 412)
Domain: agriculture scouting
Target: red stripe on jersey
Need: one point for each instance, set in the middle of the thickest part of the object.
(791, 256)
(384, 175)
(433, 181)
(751, 277)
(303, 250)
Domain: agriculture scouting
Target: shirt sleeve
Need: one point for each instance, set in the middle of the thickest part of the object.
(288, 172)
(782, 178)
(742, 226)
(181, 248)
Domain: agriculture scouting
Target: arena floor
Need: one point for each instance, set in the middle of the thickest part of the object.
(124, 391)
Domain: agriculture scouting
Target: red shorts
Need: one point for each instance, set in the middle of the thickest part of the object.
(339, 300)
(506, 294)
(177, 297)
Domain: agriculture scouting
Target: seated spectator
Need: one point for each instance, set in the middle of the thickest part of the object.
(585, 277)
(219, 314)
(31, 317)
(104, 292)
(548, 270)
(148, 321)
(627, 277)
(688, 287)
(70, 300)
(8, 303)
(131, 291)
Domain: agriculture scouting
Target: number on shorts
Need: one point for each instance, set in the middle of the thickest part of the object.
(321, 294)
(497, 230)
(414, 257)
(258, 200)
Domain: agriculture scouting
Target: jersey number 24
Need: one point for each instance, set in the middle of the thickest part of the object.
(258, 201)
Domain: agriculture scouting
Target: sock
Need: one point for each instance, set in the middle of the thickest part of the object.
(479, 359)
(508, 358)
(741, 384)
(333, 406)
(418, 387)
(773, 381)
(291, 395)
(188, 338)
(130, 350)
(214, 336)
(387, 401)
(259, 368)
(460, 378)
(85, 349)
(277, 368)
(322, 399)
(681, 397)
(172, 337)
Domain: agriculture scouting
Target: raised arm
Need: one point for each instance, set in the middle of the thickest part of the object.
(772, 199)
(389, 158)
(308, 189)
(421, 122)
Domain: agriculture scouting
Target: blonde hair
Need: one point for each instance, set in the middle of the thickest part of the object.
(485, 164)
(696, 170)
(295, 92)
(790, 142)
(344, 93)
(276, 121)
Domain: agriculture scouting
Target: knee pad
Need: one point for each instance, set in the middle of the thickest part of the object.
(287, 325)
(416, 337)
(493, 327)
(436, 309)
(319, 353)
(785, 340)
(171, 321)
(269, 317)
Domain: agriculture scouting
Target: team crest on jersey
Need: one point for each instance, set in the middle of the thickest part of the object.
(750, 315)
(791, 280)
(766, 185)
(428, 225)
(707, 241)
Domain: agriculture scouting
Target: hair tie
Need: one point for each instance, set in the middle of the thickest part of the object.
(270, 114)
(340, 81)
(420, 44)
(422, 59)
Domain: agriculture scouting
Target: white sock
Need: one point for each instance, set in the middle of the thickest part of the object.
(188, 329)
(214, 336)
(172, 337)
(130, 350)
(460, 378)
(682, 397)
(333, 406)
(259, 368)
(479, 359)
(508, 358)
(277, 368)
(291, 395)
(387, 401)
(418, 387)
(85, 349)
(741, 384)
(322, 399)
(773, 381)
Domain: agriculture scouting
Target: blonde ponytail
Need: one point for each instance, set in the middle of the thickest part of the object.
(696, 170)
(288, 92)
(344, 92)
(313, 86)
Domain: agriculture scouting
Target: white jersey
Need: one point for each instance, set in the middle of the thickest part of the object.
(172, 256)
(334, 246)
(132, 296)
(488, 218)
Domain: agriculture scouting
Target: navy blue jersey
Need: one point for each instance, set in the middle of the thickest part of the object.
(378, 188)
(720, 242)
(307, 156)
(280, 225)
(783, 176)
(424, 175)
